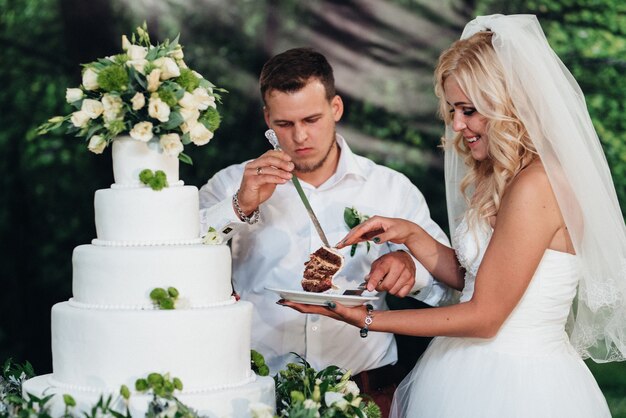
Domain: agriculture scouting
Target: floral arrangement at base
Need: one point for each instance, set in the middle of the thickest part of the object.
(303, 392)
(148, 92)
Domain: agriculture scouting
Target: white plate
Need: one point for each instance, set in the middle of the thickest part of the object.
(312, 298)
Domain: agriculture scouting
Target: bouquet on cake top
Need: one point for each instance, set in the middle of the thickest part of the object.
(147, 92)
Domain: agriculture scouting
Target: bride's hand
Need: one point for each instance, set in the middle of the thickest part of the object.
(381, 230)
(353, 316)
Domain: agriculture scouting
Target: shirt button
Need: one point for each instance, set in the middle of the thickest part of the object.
(314, 328)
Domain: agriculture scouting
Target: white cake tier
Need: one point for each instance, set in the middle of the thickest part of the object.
(232, 402)
(208, 349)
(147, 217)
(123, 277)
(131, 156)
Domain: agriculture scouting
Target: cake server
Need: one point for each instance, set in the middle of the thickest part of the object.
(271, 136)
(356, 292)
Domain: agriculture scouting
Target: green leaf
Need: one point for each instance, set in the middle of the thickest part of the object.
(174, 121)
(350, 217)
(353, 250)
(69, 400)
(185, 158)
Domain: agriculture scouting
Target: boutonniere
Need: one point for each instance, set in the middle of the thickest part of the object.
(353, 217)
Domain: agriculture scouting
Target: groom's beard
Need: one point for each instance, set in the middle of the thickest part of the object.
(311, 167)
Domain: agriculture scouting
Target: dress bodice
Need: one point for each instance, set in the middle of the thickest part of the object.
(540, 316)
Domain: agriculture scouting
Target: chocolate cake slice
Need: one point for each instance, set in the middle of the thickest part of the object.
(319, 271)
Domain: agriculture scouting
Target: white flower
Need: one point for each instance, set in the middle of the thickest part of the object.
(203, 99)
(261, 410)
(90, 79)
(138, 101)
(188, 101)
(336, 399)
(158, 109)
(73, 95)
(136, 52)
(350, 387)
(139, 65)
(97, 144)
(168, 67)
(311, 404)
(171, 144)
(112, 105)
(142, 131)
(199, 134)
(93, 108)
(190, 116)
(212, 237)
(125, 43)
(154, 80)
(80, 118)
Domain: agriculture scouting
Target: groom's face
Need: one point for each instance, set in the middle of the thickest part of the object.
(304, 122)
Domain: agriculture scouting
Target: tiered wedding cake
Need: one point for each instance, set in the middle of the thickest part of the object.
(110, 334)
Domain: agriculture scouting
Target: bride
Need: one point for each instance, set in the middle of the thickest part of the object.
(539, 241)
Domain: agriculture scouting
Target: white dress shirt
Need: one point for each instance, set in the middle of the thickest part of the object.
(272, 253)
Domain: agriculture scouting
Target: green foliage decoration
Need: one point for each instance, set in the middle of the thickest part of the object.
(155, 180)
(164, 298)
(353, 217)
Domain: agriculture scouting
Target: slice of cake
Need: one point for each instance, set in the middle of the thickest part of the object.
(319, 271)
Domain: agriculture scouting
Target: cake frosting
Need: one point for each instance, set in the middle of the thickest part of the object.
(319, 270)
(111, 334)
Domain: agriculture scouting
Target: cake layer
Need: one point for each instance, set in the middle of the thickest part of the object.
(206, 348)
(147, 217)
(131, 156)
(123, 277)
(231, 402)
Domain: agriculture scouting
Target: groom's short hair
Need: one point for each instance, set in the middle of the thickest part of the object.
(291, 70)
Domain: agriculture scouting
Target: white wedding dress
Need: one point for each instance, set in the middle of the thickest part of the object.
(529, 369)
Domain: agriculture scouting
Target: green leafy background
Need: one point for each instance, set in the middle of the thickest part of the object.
(383, 52)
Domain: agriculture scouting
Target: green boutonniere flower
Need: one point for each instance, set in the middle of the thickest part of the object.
(353, 217)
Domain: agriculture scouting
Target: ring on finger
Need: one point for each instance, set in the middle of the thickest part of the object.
(259, 171)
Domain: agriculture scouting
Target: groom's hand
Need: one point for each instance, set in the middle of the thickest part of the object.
(394, 273)
(260, 178)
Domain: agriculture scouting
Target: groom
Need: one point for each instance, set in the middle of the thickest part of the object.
(275, 235)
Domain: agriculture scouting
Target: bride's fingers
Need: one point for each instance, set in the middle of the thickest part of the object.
(362, 232)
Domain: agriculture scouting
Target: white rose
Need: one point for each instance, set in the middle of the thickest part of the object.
(203, 99)
(171, 144)
(111, 102)
(138, 65)
(335, 398)
(168, 67)
(138, 101)
(125, 43)
(90, 79)
(158, 109)
(188, 101)
(190, 116)
(97, 144)
(73, 95)
(261, 410)
(142, 131)
(199, 134)
(93, 108)
(80, 118)
(153, 80)
(137, 52)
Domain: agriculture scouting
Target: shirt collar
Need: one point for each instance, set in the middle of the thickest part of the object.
(347, 165)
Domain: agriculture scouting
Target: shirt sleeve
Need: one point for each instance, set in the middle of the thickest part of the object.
(216, 208)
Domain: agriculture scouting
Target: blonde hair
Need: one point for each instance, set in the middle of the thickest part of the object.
(474, 65)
